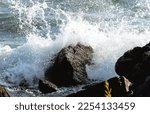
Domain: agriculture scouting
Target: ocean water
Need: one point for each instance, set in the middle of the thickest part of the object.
(32, 32)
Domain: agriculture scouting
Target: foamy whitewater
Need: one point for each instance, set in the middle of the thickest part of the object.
(32, 32)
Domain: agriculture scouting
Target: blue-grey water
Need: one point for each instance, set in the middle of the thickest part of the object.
(33, 31)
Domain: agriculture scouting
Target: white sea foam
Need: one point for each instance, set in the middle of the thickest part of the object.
(115, 31)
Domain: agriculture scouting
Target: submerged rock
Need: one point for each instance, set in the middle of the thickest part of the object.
(47, 87)
(70, 66)
(3, 92)
(114, 87)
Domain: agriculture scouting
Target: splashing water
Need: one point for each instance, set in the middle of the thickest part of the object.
(110, 27)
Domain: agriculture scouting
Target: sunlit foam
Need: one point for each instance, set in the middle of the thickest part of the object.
(110, 36)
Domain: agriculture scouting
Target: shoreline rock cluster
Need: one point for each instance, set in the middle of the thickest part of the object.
(69, 70)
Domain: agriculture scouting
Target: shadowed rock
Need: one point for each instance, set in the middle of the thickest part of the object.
(135, 65)
(47, 87)
(114, 87)
(70, 66)
(142, 90)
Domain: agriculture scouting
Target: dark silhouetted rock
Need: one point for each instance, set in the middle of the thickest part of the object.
(3, 92)
(47, 87)
(143, 89)
(135, 64)
(70, 66)
(114, 87)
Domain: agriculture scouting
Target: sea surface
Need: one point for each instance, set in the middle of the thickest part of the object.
(32, 32)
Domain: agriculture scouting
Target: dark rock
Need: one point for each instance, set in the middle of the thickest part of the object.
(3, 92)
(135, 64)
(125, 64)
(47, 87)
(114, 87)
(143, 89)
(70, 66)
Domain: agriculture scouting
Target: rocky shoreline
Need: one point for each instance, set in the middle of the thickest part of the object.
(69, 69)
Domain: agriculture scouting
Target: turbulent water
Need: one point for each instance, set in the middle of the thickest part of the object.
(33, 31)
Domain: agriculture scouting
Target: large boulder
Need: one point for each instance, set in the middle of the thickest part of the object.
(70, 66)
(135, 64)
(114, 87)
(3, 92)
(47, 87)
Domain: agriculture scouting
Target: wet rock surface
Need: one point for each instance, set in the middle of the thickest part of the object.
(3, 92)
(70, 66)
(47, 87)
